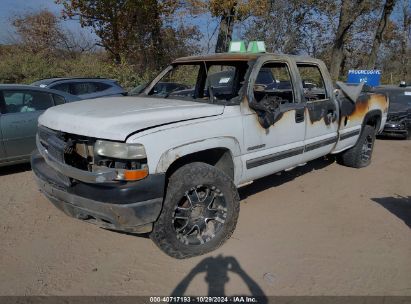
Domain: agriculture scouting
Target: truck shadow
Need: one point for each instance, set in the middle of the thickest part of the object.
(400, 206)
(13, 169)
(216, 271)
(275, 180)
(391, 138)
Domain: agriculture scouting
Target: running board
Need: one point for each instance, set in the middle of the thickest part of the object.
(299, 165)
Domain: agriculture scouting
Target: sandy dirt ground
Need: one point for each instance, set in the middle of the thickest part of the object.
(322, 229)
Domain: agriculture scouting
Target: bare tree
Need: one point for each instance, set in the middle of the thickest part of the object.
(349, 12)
(405, 41)
(300, 31)
(39, 31)
(386, 12)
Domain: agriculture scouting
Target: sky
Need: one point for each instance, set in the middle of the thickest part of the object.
(11, 8)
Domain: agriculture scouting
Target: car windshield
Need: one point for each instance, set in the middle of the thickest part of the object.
(400, 96)
(213, 82)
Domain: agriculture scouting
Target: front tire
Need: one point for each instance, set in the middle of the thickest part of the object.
(199, 213)
(359, 156)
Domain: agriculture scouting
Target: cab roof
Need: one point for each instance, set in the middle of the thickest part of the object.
(242, 57)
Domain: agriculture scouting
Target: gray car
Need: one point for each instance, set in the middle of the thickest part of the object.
(20, 107)
(84, 88)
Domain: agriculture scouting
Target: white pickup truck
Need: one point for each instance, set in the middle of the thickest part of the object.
(170, 160)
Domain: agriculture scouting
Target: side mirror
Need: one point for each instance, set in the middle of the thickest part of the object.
(351, 91)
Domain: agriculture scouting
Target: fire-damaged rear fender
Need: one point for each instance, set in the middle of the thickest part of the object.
(230, 144)
(373, 118)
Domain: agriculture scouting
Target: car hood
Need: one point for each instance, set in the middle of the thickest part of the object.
(116, 118)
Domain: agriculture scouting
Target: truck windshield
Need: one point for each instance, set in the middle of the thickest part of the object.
(213, 82)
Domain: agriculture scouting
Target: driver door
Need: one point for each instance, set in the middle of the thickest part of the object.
(276, 144)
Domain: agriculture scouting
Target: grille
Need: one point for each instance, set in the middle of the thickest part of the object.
(44, 135)
(398, 116)
(56, 153)
(54, 145)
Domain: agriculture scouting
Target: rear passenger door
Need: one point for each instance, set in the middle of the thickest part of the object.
(322, 121)
(19, 120)
(280, 144)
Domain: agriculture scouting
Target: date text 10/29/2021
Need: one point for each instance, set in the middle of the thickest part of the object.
(205, 299)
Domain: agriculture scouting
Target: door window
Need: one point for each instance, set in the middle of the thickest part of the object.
(26, 101)
(312, 82)
(101, 86)
(274, 84)
(58, 100)
(80, 88)
(64, 87)
(224, 81)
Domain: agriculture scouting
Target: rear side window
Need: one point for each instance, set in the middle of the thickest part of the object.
(312, 82)
(26, 101)
(81, 88)
(64, 87)
(102, 86)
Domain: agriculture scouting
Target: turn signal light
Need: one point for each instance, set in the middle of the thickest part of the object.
(133, 175)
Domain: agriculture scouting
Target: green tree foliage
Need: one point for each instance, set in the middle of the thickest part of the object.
(135, 31)
(18, 65)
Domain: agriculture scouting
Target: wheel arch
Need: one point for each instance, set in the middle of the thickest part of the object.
(221, 152)
(373, 118)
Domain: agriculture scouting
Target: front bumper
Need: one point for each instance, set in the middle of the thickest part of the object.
(401, 128)
(125, 206)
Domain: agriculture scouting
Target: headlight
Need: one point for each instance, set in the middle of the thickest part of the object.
(119, 150)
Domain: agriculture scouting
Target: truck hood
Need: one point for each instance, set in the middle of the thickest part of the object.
(116, 118)
(398, 107)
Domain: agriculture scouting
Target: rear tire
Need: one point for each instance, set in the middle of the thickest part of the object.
(199, 213)
(359, 156)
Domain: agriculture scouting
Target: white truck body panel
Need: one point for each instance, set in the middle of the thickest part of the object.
(115, 118)
(165, 144)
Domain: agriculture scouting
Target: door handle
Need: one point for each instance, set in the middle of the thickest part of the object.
(331, 116)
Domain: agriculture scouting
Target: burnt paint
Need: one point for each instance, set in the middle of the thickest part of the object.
(347, 107)
(322, 110)
(363, 105)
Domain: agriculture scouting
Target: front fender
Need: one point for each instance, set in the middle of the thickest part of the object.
(229, 143)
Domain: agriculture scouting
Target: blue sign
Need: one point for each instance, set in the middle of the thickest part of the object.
(369, 77)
